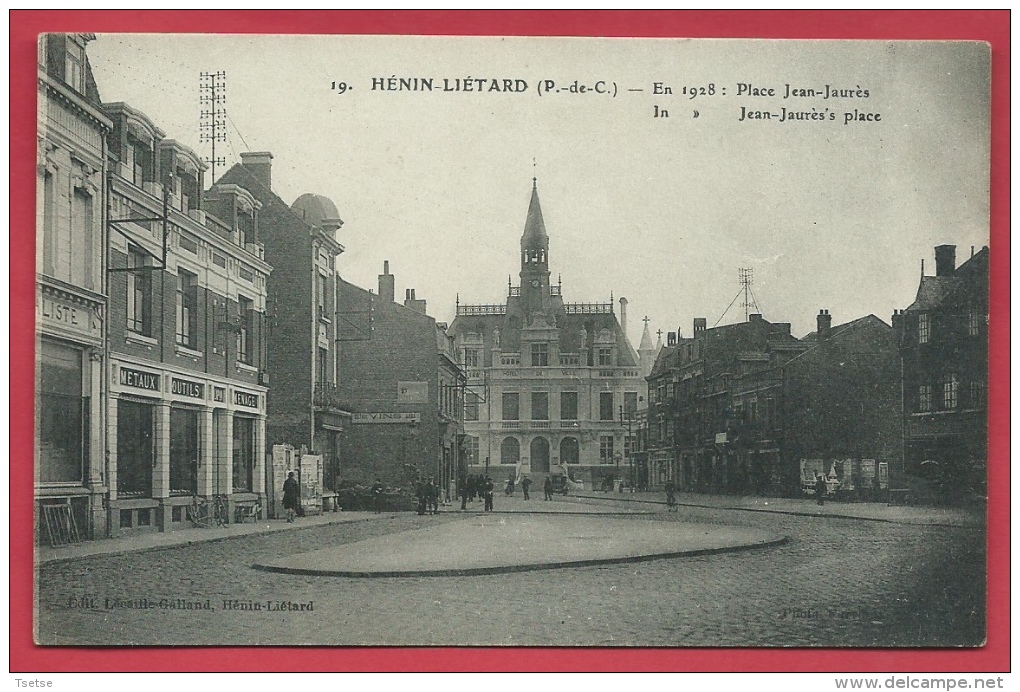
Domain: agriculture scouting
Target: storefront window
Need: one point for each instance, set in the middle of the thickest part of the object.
(62, 414)
(183, 451)
(134, 449)
(244, 454)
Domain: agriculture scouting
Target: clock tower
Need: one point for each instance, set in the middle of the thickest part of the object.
(534, 258)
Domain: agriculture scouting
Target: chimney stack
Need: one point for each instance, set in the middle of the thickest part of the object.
(700, 324)
(824, 325)
(386, 286)
(945, 260)
(259, 164)
(411, 301)
(754, 317)
(623, 315)
(671, 339)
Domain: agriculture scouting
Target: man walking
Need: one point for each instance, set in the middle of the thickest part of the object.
(526, 486)
(462, 485)
(488, 491)
(547, 486)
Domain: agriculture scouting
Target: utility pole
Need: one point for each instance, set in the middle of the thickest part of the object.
(212, 128)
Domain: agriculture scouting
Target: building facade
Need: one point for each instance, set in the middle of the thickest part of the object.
(400, 379)
(71, 300)
(944, 347)
(552, 386)
(305, 406)
(186, 404)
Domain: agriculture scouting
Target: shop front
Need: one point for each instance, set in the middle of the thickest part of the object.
(69, 483)
(176, 437)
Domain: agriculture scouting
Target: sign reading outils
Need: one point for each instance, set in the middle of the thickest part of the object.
(195, 390)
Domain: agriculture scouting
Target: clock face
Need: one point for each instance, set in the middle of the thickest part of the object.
(535, 283)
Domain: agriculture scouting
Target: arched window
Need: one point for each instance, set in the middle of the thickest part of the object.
(540, 455)
(570, 451)
(510, 451)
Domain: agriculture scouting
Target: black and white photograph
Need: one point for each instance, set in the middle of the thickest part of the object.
(451, 341)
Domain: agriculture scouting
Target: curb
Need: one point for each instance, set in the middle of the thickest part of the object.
(533, 567)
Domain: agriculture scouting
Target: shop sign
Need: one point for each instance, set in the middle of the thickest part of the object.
(412, 392)
(195, 390)
(139, 379)
(219, 394)
(383, 417)
(246, 399)
(80, 319)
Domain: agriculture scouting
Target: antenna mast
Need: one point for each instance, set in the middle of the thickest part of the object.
(746, 279)
(212, 99)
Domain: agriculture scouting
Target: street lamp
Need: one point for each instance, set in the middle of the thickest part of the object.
(628, 444)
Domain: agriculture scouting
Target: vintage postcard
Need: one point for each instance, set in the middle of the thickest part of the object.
(413, 341)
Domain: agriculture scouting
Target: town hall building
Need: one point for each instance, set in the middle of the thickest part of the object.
(553, 387)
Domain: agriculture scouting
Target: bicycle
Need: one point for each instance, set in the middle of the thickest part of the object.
(205, 513)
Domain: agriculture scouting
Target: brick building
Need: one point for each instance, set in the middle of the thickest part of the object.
(400, 379)
(70, 288)
(745, 407)
(305, 407)
(944, 346)
(550, 384)
(186, 333)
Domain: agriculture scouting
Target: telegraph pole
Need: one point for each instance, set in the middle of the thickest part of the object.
(212, 128)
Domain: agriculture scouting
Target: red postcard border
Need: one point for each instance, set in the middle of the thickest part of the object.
(985, 25)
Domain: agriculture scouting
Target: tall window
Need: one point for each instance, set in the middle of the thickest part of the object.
(243, 474)
(949, 392)
(606, 406)
(924, 398)
(74, 65)
(83, 239)
(471, 406)
(320, 296)
(606, 449)
(510, 451)
(139, 298)
(61, 414)
(49, 226)
(974, 323)
(978, 394)
(187, 308)
(923, 328)
(540, 406)
(605, 355)
(630, 403)
(511, 406)
(568, 405)
(539, 355)
(245, 340)
(471, 357)
(323, 363)
(184, 452)
(245, 227)
(471, 450)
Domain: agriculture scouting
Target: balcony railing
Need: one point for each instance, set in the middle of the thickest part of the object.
(491, 309)
(327, 396)
(589, 308)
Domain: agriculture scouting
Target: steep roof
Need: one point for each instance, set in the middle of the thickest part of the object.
(646, 340)
(932, 291)
(534, 226)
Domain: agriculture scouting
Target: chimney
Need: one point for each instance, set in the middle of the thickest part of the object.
(754, 317)
(259, 164)
(671, 339)
(824, 325)
(623, 315)
(410, 301)
(386, 287)
(700, 323)
(945, 260)
(897, 320)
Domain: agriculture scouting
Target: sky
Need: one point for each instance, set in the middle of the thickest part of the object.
(833, 214)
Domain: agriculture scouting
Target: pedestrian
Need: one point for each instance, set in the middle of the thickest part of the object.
(432, 496)
(526, 486)
(510, 485)
(419, 497)
(462, 485)
(547, 486)
(670, 496)
(488, 491)
(291, 496)
(377, 495)
(820, 489)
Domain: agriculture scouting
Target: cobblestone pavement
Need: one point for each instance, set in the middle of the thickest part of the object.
(838, 582)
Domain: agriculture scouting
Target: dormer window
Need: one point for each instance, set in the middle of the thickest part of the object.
(245, 226)
(139, 161)
(74, 64)
(605, 355)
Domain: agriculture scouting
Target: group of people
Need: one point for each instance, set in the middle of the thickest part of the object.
(476, 486)
(426, 492)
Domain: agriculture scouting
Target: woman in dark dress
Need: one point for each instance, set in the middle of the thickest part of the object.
(290, 497)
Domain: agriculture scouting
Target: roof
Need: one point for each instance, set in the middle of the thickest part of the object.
(534, 226)
(317, 210)
(646, 340)
(933, 291)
